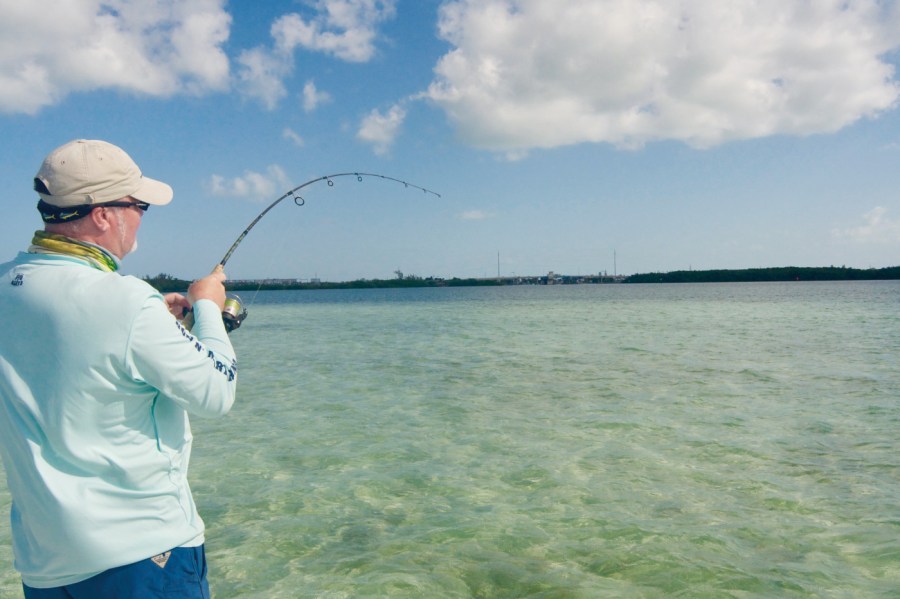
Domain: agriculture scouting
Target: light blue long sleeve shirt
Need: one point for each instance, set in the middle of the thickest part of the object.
(96, 383)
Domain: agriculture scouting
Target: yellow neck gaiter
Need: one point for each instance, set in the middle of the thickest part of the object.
(51, 243)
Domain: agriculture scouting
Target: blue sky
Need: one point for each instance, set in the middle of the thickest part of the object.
(575, 136)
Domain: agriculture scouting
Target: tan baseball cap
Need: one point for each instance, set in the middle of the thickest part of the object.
(90, 171)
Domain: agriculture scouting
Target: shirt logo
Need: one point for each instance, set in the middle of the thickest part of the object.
(17, 282)
(162, 559)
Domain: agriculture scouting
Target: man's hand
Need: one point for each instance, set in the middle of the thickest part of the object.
(210, 287)
(177, 304)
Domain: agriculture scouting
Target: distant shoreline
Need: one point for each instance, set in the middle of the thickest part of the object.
(760, 275)
(166, 283)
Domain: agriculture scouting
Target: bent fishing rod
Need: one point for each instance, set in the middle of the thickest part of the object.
(234, 311)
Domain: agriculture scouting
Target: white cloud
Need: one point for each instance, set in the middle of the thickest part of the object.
(292, 136)
(260, 76)
(346, 29)
(876, 228)
(53, 48)
(536, 74)
(343, 28)
(380, 129)
(252, 185)
(312, 97)
(475, 215)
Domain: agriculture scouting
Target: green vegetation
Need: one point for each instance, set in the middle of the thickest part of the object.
(787, 273)
(166, 283)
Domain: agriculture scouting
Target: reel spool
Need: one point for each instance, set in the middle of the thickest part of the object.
(234, 312)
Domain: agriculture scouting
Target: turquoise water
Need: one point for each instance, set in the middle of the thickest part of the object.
(557, 442)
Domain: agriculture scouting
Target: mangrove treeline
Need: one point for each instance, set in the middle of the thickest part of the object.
(167, 283)
(753, 275)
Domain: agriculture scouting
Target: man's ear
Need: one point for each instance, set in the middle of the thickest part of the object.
(101, 219)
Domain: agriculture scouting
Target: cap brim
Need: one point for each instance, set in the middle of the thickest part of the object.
(153, 192)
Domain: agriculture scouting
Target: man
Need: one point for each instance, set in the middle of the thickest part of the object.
(96, 382)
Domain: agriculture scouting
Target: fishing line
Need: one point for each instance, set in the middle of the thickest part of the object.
(234, 312)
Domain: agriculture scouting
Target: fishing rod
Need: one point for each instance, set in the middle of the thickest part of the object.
(234, 311)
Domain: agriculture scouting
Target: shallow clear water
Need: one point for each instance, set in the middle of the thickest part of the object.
(557, 442)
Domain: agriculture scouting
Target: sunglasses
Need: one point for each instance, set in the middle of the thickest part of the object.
(144, 206)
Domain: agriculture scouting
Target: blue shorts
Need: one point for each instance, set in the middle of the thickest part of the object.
(179, 575)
